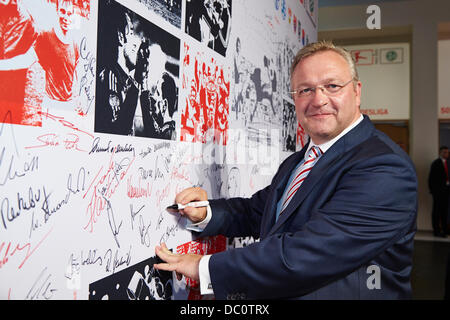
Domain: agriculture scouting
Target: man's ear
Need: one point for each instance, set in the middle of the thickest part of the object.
(358, 93)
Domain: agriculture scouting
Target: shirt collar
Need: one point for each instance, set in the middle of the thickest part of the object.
(327, 145)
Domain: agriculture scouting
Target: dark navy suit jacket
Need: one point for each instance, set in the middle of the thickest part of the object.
(354, 215)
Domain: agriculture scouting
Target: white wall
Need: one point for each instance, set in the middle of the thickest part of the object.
(386, 85)
(444, 79)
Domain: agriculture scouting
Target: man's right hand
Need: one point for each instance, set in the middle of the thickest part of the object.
(191, 195)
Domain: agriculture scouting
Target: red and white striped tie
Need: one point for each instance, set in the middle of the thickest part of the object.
(301, 173)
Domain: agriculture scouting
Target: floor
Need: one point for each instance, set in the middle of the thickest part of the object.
(430, 258)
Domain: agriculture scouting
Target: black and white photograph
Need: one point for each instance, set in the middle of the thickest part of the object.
(169, 10)
(209, 21)
(137, 75)
(256, 89)
(289, 127)
(138, 282)
(287, 55)
(241, 242)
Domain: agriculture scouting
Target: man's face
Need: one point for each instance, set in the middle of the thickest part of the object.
(131, 46)
(65, 12)
(444, 153)
(325, 116)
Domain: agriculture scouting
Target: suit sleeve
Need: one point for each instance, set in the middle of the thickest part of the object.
(373, 205)
(237, 217)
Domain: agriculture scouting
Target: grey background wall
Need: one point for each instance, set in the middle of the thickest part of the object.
(417, 22)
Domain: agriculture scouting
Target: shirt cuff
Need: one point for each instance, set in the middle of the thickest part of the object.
(204, 276)
(200, 226)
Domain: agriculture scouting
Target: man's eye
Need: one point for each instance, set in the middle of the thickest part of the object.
(331, 86)
(305, 91)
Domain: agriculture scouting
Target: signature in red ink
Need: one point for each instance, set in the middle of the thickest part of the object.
(138, 191)
(11, 250)
(162, 194)
(69, 141)
(64, 122)
(180, 174)
(104, 187)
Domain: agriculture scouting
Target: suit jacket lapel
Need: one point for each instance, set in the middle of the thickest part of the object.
(358, 134)
(279, 182)
(327, 159)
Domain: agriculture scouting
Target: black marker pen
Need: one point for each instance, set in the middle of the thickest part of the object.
(197, 204)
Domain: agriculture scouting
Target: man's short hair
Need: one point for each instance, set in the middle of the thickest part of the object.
(443, 148)
(322, 46)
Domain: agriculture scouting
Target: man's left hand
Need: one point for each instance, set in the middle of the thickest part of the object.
(182, 264)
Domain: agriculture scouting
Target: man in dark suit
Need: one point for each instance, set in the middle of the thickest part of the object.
(345, 231)
(438, 182)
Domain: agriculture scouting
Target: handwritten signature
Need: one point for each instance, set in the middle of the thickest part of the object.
(112, 263)
(12, 172)
(42, 287)
(170, 231)
(142, 227)
(103, 188)
(72, 188)
(62, 121)
(138, 191)
(9, 213)
(111, 260)
(96, 147)
(13, 249)
(69, 141)
(87, 80)
(112, 222)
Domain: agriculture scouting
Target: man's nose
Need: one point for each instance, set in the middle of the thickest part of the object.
(319, 98)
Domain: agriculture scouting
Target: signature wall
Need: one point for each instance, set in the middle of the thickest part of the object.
(109, 108)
